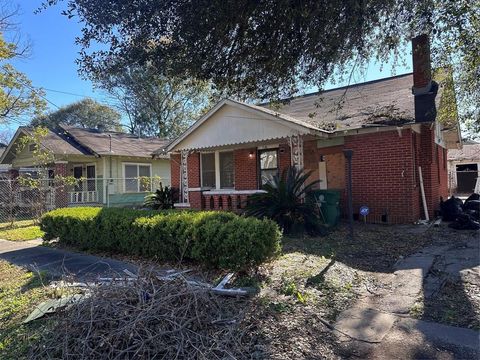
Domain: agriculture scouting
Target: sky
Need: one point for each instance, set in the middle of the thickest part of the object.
(52, 63)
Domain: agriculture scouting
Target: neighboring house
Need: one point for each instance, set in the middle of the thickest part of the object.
(116, 169)
(236, 147)
(464, 168)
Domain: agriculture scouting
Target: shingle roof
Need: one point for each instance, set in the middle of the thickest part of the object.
(59, 143)
(467, 152)
(381, 102)
(121, 144)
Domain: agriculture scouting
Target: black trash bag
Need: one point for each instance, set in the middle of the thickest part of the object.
(465, 222)
(474, 196)
(474, 214)
(472, 205)
(451, 208)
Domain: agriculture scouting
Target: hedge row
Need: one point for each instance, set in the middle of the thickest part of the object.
(217, 239)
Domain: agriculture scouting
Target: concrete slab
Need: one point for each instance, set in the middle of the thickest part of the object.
(7, 246)
(398, 304)
(442, 334)
(366, 325)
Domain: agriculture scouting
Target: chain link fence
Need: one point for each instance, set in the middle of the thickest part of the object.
(28, 198)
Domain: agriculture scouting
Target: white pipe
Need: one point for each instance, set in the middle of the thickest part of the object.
(424, 200)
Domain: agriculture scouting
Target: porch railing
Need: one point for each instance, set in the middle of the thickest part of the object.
(82, 197)
(101, 190)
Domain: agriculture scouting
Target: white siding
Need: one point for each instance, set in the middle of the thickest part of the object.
(231, 125)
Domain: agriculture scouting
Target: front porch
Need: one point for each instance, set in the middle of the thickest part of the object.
(67, 186)
(224, 179)
(234, 150)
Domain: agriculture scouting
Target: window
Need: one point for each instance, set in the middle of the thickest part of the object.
(208, 170)
(218, 170)
(268, 165)
(133, 174)
(227, 167)
(32, 147)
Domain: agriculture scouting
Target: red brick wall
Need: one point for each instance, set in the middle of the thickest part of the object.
(193, 168)
(284, 158)
(246, 177)
(175, 170)
(434, 169)
(311, 159)
(61, 196)
(382, 175)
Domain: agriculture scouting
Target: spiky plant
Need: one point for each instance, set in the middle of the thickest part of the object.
(162, 199)
(286, 201)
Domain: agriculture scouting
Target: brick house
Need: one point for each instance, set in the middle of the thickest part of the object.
(390, 124)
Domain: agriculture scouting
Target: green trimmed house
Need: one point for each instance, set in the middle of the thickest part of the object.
(114, 169)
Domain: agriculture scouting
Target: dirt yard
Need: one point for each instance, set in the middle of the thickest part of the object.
(301, 294)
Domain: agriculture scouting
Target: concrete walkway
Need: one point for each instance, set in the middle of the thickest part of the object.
(57, 262)
(379, 326)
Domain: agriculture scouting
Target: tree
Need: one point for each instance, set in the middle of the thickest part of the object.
(85, 113)
(156, 105)
(18, 98)
(266, 49)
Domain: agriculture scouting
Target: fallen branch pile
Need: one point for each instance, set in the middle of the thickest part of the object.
(146, 319)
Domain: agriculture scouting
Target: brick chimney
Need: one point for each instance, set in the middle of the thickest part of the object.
(422, 68)
(424, 88)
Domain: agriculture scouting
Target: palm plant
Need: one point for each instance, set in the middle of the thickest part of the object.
(162, 199)
(286, 201)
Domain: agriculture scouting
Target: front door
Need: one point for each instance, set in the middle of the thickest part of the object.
(78, 174)
(91, 178)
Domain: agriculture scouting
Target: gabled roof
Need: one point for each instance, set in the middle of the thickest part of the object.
(68, 140)
(122, 144)
(384, 102)
(285, 120)
(56, 141)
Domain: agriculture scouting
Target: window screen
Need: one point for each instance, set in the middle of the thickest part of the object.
(208, 170)
(131, 181)
(268, 165)
(144, 171)
(226, 170)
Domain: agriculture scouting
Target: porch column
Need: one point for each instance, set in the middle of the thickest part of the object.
(296, 150)
(184, 176)
(61, 195)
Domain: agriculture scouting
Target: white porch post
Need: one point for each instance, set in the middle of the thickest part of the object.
(184, 176)
(296, 150)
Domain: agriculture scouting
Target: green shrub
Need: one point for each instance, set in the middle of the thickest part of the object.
(286, 201)
(216, 239)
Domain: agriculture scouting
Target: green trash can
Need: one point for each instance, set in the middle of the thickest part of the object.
(329, 201)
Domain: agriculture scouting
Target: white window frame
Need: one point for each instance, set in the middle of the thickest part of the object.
(217, 169)
(124, 164)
